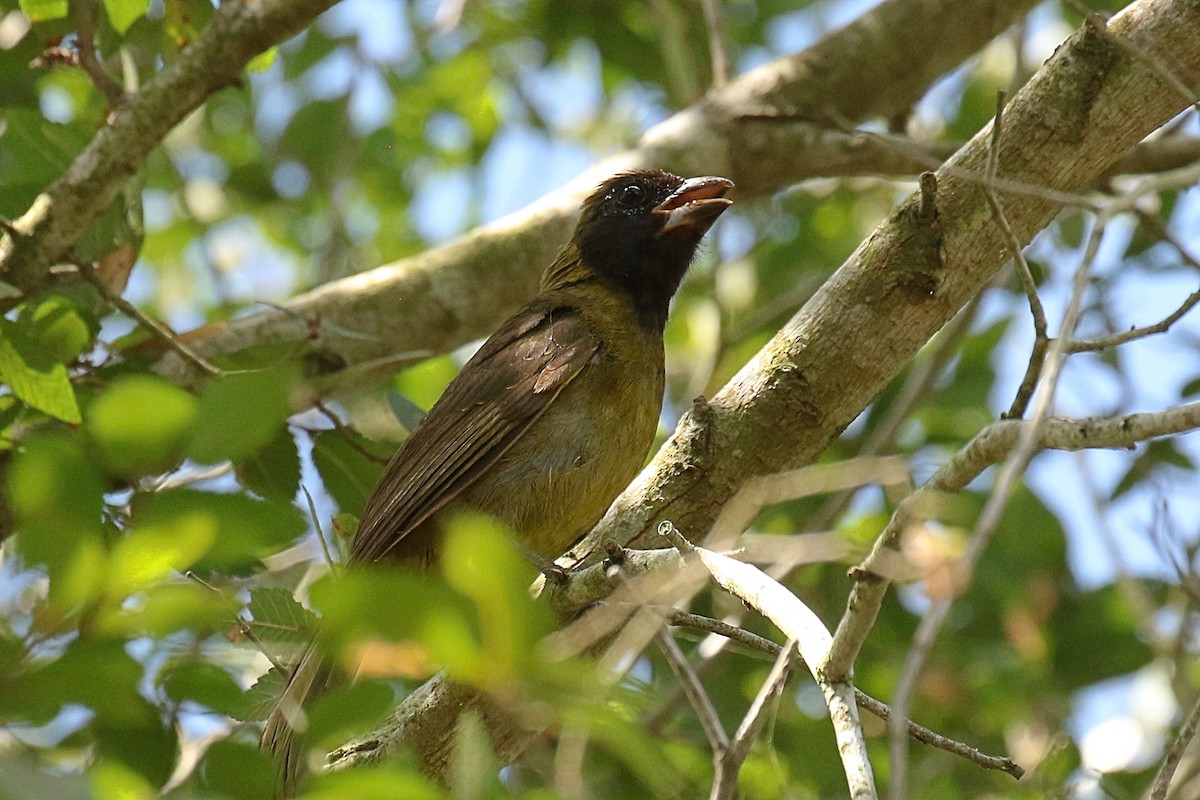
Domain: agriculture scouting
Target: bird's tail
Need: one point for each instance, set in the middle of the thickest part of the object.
(283, 736)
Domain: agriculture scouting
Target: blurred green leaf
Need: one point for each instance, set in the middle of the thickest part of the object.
(263, 61)
(480, 561)
(33, 375)
(345, 709)
(240, 414)
(165, 609)
(57, 499)
(61, 326)
(151, 551)
(1155, 455)
(141, 424)
(123, 13)
(43, 10)
(387, 783)
(247, 529)
(206, 684)
(236, 769)
(34, 152)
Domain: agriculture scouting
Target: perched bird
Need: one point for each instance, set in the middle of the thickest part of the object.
(555, 413)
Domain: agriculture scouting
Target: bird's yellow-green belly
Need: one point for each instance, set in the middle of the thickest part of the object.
(556, 482)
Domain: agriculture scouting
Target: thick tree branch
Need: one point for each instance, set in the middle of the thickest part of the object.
(1090, 103)
(239, 31)
(874, 67)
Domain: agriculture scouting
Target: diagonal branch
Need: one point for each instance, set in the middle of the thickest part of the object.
(238, 32)
(874, 67)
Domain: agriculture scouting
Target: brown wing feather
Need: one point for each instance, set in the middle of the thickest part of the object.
(505, 386)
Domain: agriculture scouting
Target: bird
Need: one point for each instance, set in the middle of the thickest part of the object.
(550, 418)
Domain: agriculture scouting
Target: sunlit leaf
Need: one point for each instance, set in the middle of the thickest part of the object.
(33, 375)
(123, 13)
(44, 10)
(141, 424)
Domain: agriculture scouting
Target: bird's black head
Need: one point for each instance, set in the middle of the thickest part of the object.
(639, 231)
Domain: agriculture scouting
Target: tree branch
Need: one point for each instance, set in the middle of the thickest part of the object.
(873, 67)
(1066, 128)
(238, 32)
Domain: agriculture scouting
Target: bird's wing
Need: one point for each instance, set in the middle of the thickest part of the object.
(500, 392)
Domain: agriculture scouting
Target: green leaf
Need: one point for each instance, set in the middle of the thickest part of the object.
(259, 699)
(123, 13)
(141, 424)
(239, 414)
(34, 376)
(348, 708)
(1163, 452)
(44, 10)
(60, 325)
(164, 609)
(263, 61)
(33, 152)
(406, 412)
(277, 617)
(203, 683)
(273, 471)
(373, 784)
(57, 499)
(151, 551)
(348, 474)
(247, 529)
(236, 769)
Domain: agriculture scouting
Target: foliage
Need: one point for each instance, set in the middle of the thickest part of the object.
(158, 535)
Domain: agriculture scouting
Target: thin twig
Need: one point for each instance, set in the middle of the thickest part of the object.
(725, 781)
(760, 644)
(1114, 339)
(1190, 302)
(1162, 778)
(348, 433)
(989, 519)
(242, 624)
(316, 520)
(1040, 331)
(85, 41)
(155, 328)
(718, 740)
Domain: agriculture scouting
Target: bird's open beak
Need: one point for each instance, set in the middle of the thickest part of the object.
(696, 205)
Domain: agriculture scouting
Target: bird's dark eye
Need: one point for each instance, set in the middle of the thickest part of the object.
(631, 195)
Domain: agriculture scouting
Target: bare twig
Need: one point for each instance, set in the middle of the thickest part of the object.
(718, 740)
(756, 643)
(348, 433)
(1114, 339)
(989, 519)
(800, 624)
(725, 781)
(1162, 778)
(316, 520)
(155, 328)
(1023, 272)
(989, 446)
(82, 12)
